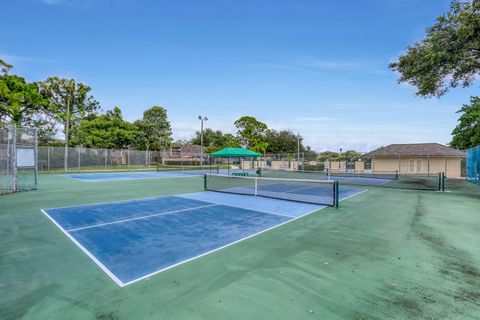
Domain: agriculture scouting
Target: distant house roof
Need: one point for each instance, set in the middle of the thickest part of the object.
(416, 149)
(187, 148)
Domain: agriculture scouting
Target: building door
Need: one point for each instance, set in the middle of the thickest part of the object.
(415, 166)
(419, 166)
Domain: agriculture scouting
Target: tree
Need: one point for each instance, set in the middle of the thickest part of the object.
(351, 156)
(252, 133)
(214, 140)
(154, 130)
(448, 56)
(108, 131)
(20, 101)
(5, 67)
(283, 141)
(68, 103)
(329, 155)
(467, 133)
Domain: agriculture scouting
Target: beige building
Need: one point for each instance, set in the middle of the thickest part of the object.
(417, 158)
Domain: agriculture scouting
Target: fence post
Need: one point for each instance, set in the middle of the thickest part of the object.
(48, 159)
(36, 158)
(14, 160)
(78, 150)
(428, 165)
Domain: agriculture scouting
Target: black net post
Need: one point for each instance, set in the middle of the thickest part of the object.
(336, 194)
(442, 181)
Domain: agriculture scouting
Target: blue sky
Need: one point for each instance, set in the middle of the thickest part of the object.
(315, 67)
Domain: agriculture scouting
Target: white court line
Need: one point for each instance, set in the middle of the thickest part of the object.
(122, 284)
(122, 201)
(91, 256)
(232, 243)
(245, 208)
(140, 218)
(220, 248)
(354, 195)
(298, 189)
(136, 179)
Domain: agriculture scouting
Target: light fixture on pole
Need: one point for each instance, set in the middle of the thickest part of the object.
(202, 119)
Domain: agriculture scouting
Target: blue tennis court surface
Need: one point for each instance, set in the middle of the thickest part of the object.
(132, 240)
(139, 175)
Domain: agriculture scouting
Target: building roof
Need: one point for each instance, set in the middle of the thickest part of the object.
(188, 148)
(416, 149)
(235, 152)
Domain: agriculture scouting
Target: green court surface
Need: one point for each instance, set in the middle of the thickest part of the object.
(384, 254)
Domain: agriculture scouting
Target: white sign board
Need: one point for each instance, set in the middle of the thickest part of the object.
(25, 157)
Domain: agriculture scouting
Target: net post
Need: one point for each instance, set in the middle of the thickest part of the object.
(336, 193)
(442, 181)
(205, 182)
(396, 175)
(256, 187)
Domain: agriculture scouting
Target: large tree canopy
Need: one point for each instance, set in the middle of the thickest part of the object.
(252, 133)
(214, 140)
(283, 141)
(448, 56)
(349, 156)
(467, 133)
(154, 130)
(107, 131)
(68, 102)
(20, 101)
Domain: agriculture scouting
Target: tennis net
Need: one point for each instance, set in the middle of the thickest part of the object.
(301, 190)
(383, 179)
(391, 175)
(194, 170)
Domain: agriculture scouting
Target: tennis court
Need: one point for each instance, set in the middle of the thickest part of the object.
(132, 240)
(387, 179)
(164, 173)
(383, 254)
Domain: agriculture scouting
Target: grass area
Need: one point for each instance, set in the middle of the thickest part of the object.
(385, 254)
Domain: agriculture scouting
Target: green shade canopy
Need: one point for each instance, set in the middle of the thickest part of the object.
(235, 152)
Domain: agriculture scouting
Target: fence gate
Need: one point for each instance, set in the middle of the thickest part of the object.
(18, 159)
(473, 165)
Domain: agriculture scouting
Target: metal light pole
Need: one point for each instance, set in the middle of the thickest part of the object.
(202, 119)
(298, 151)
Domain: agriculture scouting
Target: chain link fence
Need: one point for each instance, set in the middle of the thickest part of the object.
(473, 164)
(77, 159)
(18, 159)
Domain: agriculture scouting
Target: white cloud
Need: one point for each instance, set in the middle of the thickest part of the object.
(315, 119)
(313, 63)
(53, 2)
(19, 58)
(83, 3)
(320, 64)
